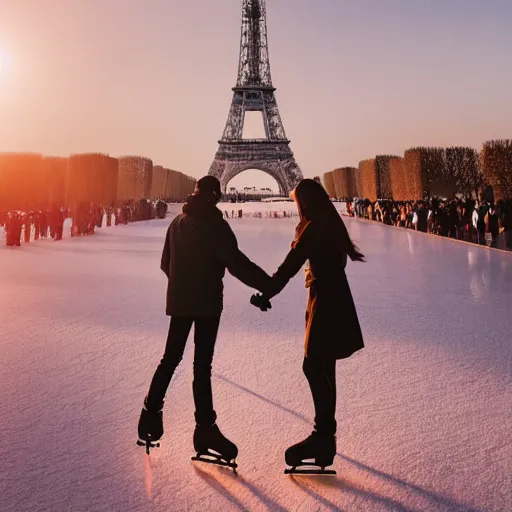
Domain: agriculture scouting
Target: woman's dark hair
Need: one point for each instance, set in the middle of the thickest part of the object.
(314, 205)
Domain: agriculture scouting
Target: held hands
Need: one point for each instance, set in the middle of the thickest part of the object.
(261, 302)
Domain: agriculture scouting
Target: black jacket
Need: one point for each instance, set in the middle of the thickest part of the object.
(199, 246)
(332, 325)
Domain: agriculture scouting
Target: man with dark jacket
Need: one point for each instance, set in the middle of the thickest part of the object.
(507, 223)
(422, 214)
(199, 247)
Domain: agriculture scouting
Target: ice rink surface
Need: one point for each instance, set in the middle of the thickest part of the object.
(424, 411)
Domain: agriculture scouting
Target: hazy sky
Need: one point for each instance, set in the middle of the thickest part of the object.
(153, 77)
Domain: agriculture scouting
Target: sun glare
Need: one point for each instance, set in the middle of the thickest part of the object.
(3, 63)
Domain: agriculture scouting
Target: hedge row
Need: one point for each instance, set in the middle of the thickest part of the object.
(29, 181)
(345, 182)
(425, 172)
(21, 179)
(496, 161)
(329, 184)
(369, 179)
(135, 174)
(91, 178)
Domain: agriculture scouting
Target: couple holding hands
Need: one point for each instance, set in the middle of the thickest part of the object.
(200, 245)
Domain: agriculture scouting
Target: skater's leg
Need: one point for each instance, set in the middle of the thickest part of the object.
(321, 375)
(205, 336)
(179, 329)
(207, 436)
(321, 444)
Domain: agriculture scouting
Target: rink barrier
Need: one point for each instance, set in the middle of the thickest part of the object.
(274, 214)
(283, 214)
(407, 230)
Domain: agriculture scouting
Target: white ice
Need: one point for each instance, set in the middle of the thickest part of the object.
(424, 411)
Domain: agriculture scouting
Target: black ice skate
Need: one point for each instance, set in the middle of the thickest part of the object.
(213, 447)
(311, 456)
(151, 428)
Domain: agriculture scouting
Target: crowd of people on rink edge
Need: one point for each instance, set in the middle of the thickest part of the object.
(21, 226)
(483, 221)
(271, 214)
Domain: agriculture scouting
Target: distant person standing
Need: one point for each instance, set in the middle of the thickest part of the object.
(507, 224)
(198, 249)
(57, 216)
(37, 224)
(481, 227)
(492, 225)
(27, 223)
(43, 226)
(474, 223)
(415, 219)
(422, 218)
(13, 229)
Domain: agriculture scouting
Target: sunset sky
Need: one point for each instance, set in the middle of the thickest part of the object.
(153, 77)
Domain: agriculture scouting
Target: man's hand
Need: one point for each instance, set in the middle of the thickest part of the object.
(261, 302)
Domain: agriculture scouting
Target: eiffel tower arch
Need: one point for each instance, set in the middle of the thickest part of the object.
(254, 92)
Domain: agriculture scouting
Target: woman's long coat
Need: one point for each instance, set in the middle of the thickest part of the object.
(332, 325)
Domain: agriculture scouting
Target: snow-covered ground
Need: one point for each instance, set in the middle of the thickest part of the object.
(424, 411)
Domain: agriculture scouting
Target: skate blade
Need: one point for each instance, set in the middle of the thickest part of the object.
(309, 471)
(212, 458)
(148, 445)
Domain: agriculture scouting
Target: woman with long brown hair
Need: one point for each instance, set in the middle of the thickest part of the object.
(332, 326)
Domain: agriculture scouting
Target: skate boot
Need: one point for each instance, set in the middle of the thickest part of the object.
(318, 448)
(151, 427)
(213, 447)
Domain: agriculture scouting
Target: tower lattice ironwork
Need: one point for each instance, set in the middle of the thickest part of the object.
(254, 92)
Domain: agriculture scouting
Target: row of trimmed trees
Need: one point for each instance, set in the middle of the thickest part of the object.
(31, 181)
(425, 172)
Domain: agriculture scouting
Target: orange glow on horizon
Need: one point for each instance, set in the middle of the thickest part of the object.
(3, 63)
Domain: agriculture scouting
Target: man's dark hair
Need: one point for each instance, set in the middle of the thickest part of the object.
(208, 187)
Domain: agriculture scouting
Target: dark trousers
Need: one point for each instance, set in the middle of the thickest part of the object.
(321, 375)
(508, 239)
(205, 335)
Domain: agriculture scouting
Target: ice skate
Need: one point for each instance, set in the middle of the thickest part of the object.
(151, 428)
(213, 447)
(311, 456)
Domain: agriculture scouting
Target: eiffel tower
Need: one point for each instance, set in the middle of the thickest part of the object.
(254, 92)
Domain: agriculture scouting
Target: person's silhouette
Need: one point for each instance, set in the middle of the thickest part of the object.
(332, 325)
(199, 247)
